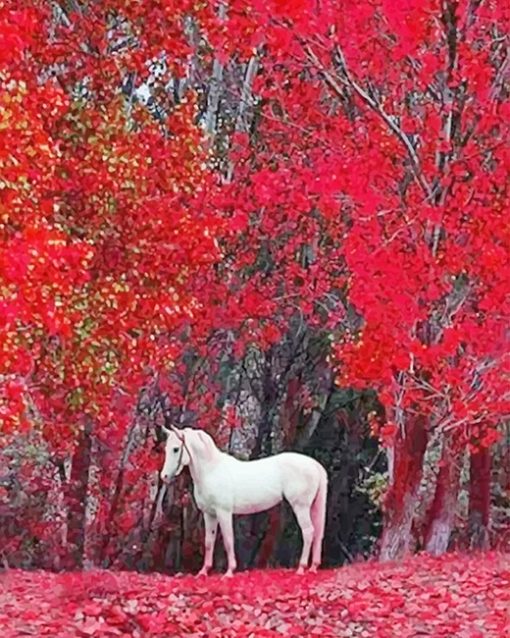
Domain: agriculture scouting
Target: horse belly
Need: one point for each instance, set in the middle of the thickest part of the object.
(250, 496)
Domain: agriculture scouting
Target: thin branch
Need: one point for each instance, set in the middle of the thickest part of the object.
(349, 81)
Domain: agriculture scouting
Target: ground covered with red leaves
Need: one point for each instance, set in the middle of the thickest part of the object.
(455, 596)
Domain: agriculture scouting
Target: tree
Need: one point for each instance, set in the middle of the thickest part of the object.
(102, 229)
(395, 134)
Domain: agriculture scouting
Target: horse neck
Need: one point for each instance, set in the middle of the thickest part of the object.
(198, 467)
(195, 470)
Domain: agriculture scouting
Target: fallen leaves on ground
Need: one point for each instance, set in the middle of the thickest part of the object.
(454, 596)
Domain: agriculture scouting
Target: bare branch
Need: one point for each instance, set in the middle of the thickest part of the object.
(373, 104)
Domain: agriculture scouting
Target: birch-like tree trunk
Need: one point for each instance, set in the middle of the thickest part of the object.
(441, 516)
(480, 498)
(77, 496)
(401, 501)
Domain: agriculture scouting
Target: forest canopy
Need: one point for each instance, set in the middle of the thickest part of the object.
(282, 222)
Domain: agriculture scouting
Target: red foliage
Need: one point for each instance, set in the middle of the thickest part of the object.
(101, 228)
(454, 596)
(380, 150)
(375, 184)
(102, 234)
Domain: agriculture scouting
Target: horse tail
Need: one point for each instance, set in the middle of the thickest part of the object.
(318, 515)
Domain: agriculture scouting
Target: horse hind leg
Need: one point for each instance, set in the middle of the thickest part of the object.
(302, 513)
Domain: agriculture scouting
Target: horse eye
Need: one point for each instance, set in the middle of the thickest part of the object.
(176, 449)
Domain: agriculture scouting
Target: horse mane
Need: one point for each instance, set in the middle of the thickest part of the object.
(206, 442)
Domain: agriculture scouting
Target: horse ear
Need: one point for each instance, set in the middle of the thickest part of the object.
(166, 431)
(179, 433)
(173, 429)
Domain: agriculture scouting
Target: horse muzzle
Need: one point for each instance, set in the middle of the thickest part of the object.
(166, 478)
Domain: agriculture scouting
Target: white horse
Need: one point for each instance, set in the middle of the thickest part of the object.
(224, 486)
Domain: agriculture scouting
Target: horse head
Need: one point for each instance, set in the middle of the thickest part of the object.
(184, 446)
(176, 454)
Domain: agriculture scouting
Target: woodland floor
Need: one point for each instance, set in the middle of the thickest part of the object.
(455, 596)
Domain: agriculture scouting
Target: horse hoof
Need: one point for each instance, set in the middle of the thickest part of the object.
(228, 574)
(300, 570)
(313, 569)
(201, 573)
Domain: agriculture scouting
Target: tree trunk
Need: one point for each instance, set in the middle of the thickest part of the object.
(289, 420)
(441, 516)
(270, 538)
(479, 498)
(290, 411)
(405, 475)
(77, 497)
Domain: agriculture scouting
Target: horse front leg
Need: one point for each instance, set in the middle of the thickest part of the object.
(227, 532)
(211, 528)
